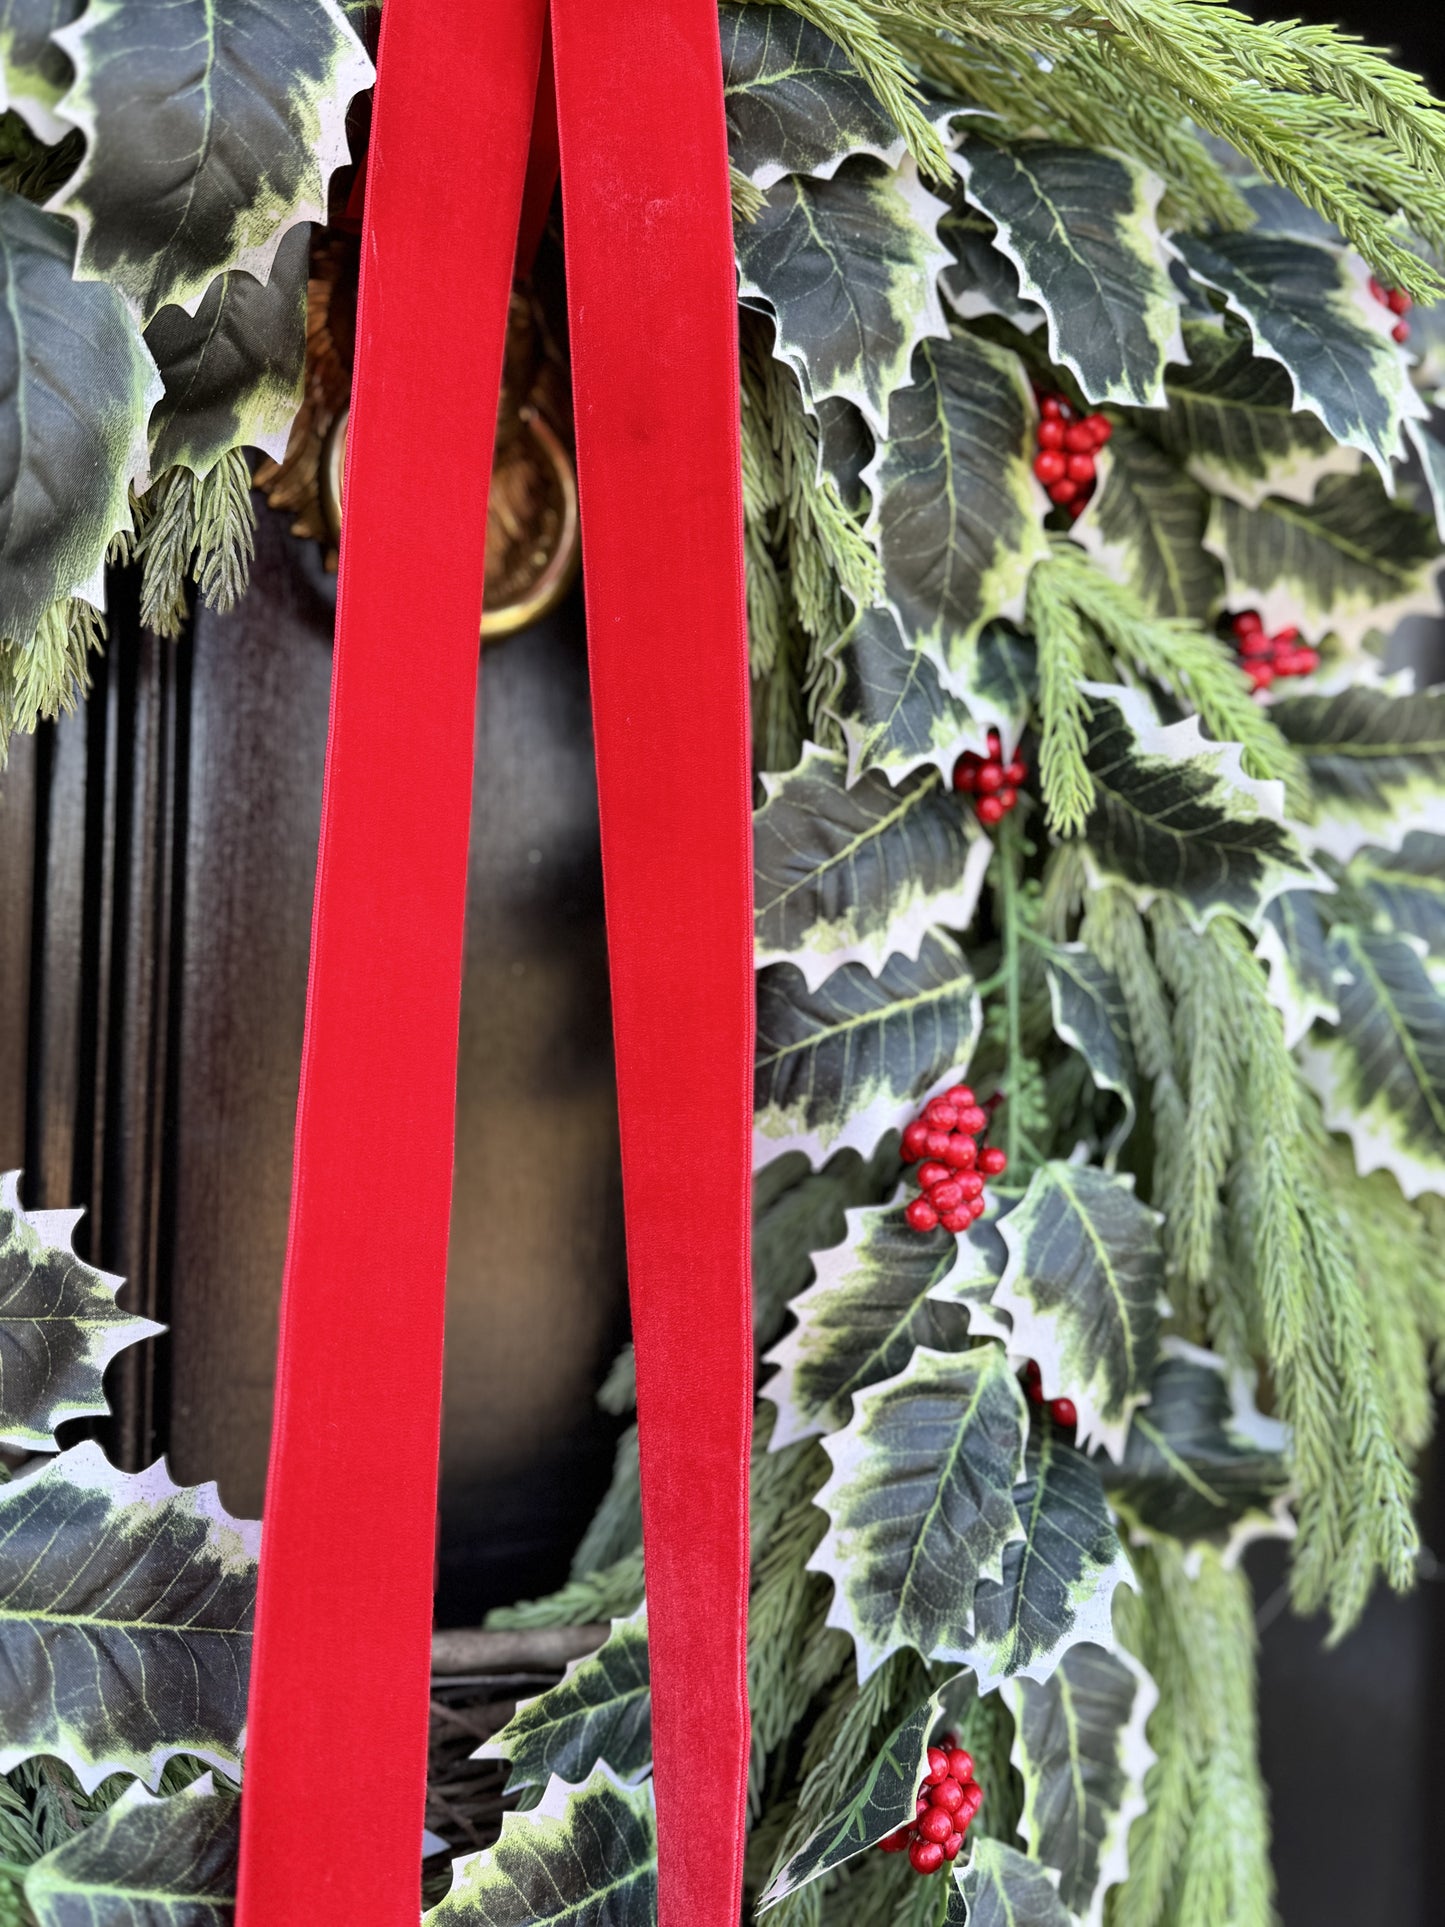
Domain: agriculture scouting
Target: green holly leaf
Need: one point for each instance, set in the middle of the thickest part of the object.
(838, 1066)
(1003, 1889)
(920, 1503)
(1376, 764)
(34, 72)
(795, 103)
(1083, 1288)
(1348, 562)
(211, 129)
(76, 386)
(861, 874)
(958, 512)
(1080, 1751)
(585, 1857)
(894, 712)
(144, 1863)
(59, 1325)
(1174, 813)
(798, 1212)
(598, 1714)
(1081, 227)
(1092, 1017)
(1294, 947)
(1405, 889)
(126, 1630)
(1431, 450)
(879, 1802)
(848, 267)
(981, 280)
(1309, 308)
(1380, 1073)
(235, 371)
(999, 681)
(1201, 1464)
(1060, 1578)
(1147, 529)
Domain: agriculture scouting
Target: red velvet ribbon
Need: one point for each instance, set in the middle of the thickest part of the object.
(341, 1656)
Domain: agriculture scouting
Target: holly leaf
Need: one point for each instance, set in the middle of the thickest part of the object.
(598, 1714)
(879, 1802)
(848, 267)
(958, 512)
(1081, 228)
(76, 386)
(235, 371)
(999, 681)
(920, 1503)
(59, 1325)
(1174, 813)
(1294, 947)
(1003, 1889)
(894, 712)
(126, 1630)
(1380, 1073)
(34, 72)
(1350, 561)
(981, 280)
(798, 1212)
(585, 1857)
(1083, 1287)
(1431, 451)
(838, 1066)
(1148, 528)
(144, 1863)
(1060, 1577)
(795, 103)
(1405, 889)
(1080, 1750)
(211, 130)
(1092, 1017)
(1376, 764)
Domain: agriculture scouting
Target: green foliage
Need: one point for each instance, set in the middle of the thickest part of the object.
(195, 525)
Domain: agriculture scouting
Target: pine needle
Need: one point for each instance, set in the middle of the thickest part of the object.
(46, 677)
(1066, 652)
(610, 1594)
(195, 524)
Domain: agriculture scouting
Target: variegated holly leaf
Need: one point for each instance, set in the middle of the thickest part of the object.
(1376, 763)
(1083, 1287)
(126, 1631)
(211, 129)
(1174, 814)
(1004, 1889)
(585, 1857)
(1430, 448)
(1405, 889)
(1112, 311)
(1148, 527)
(920, 1503)
(999, 681)
(981, 1261)
(982, 280)
(1380, 1073)
(871, 1305)
(858, 875)
(1233, 423)
(1080, 1751)
(894, 712)
(144, 1863)
(1201, 1464)
(848, 267)
(34, 72)
(1091, 1016)
(1278, 210)
(795, 103)
(958, 512)
(1294, 947)
(599, 1713)
(76, 386)
(798, 1212)
(1348, 562)
(1309, 308)
(59, 1325)
(879, 1802)
(234, 371)
(1060, 1578)
(838, 1066)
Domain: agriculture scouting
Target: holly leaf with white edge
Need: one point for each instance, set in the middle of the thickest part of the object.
(1060, 1577)
(1430, 448)
(76, 387)
(894, 712)
(958, 513)
(211, 130)
(599, 1713)
(1405, 890)
(921, 1503)
(1348, 562)
(878, 1803)
(1081, 228)
(1174, 814)
(34, 72)
(126, 1630)
(858, 875)
(798, 1212)
(1092, 1017)
(586, 1856)
(1148, 528)
(144, 1863)
(838, 1066)
(848, 267)
(1294, 947)
(999, 681)
(1080, 1751)
(1003, 1888)
(1376, 764)
(981, 279)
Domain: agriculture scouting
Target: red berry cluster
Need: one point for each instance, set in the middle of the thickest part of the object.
(947, 1802)
(1068, 444)
(953, 1169)
(1399, 303)
(1061, 1410)
(993, 783)
(1266, 659)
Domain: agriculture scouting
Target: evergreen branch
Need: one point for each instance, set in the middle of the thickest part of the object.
(201, 524)
(610, 1594)
(47, 676)
(1064, 650)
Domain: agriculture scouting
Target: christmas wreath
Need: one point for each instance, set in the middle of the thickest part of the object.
(1088, 470)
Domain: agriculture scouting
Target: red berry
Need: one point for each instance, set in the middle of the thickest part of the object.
(1075, 509)
(1062, 1412)
(1051, 432)
(1400, 332)
(921, 1215)
(995, 744)
(957, 1221)
(951, 1846)
(978, 1207)
(1015, 773)
(1378, 291)
(993, 1162)
(938, 1114)
(1031, 1376)
(948, 1795)
(926, 1856)
(1050, 465)
(1062, 492)
(1100, 427)
(1285, 638)
(937, 1765)
(1308, 660)
(920, 1806)
(895, 1842)
(950, 1195)
(990, 811)
(1247, 623)
(970, 1185)
(1081, 468)
(1008, 797)
(960, 1766)
(1079, 438)
(932, 1173)
(990, 778)
(972, 1119)
(1398, 302)
(915, 1140)
(965, 777)
(935, 1825)
(1255, 645)
(962, 1153)
(1051, 407)
(1261, 674)
(937, 1143)
(959, 1096)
